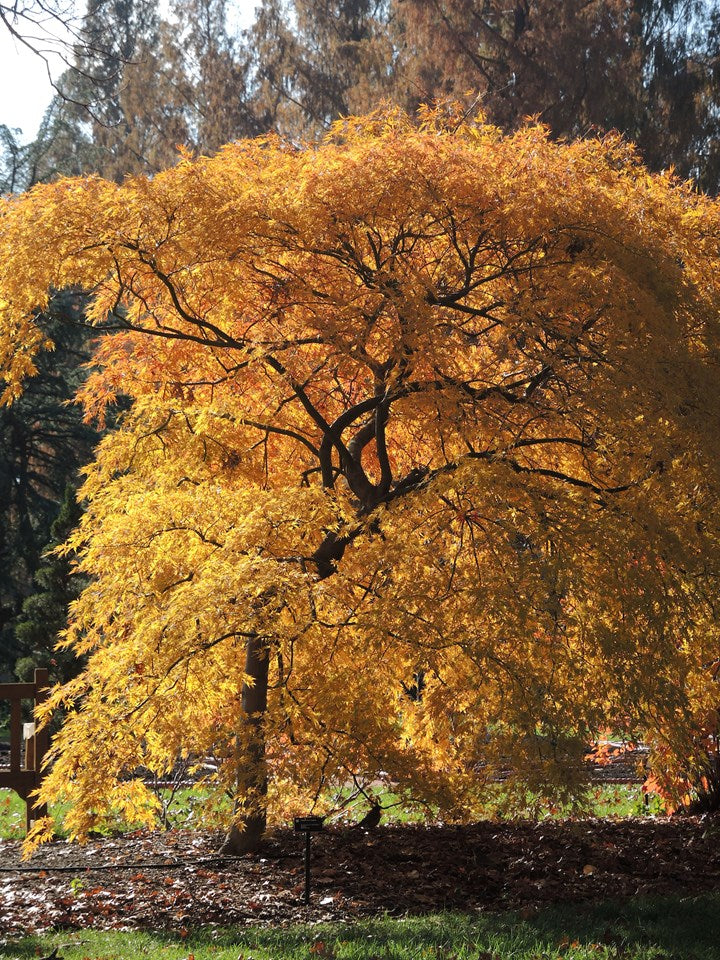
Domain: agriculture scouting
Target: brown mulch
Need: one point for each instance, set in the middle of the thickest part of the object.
(175, 880)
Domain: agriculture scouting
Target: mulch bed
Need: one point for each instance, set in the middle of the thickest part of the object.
(176, 881)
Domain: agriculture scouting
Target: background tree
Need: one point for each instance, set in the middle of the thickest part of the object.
(44, 444)
(12, 161)
(44, 613)
(87, 127)
(218, 67)
(648, 68)
(314, 62)
(419, 399)
(102, 119)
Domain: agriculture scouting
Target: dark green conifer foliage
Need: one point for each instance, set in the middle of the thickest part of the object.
(44, 614)
(43, 445)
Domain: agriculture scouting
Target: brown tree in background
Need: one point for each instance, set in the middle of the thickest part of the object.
(317, 60)
(648, 68)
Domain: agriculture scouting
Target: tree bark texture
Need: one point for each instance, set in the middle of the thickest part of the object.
(245, 837)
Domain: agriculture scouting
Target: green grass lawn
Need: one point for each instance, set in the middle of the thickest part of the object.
(188, 808)
(658, 929)
(12, 816)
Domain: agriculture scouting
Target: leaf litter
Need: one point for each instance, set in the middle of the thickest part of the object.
(175, 880)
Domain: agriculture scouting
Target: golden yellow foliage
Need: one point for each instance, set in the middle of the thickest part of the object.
(419, 399)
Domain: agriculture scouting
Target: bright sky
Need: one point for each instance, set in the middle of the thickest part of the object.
(25, 88)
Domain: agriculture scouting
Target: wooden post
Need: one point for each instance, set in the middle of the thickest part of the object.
(41, 743)
(15, 734)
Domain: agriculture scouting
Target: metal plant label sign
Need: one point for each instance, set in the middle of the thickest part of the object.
(308, 826)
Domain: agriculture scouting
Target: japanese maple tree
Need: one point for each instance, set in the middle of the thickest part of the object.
(420, 400)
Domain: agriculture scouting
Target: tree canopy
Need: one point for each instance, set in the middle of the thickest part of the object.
(419, 398)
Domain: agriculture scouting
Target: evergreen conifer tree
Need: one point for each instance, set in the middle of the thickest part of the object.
(44, 613)
(43, 445)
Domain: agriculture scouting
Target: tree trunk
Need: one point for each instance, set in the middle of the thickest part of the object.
(252, 774)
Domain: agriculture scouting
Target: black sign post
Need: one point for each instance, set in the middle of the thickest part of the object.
(308, 826)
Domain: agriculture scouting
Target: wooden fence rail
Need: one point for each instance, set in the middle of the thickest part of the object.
(24, 774)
